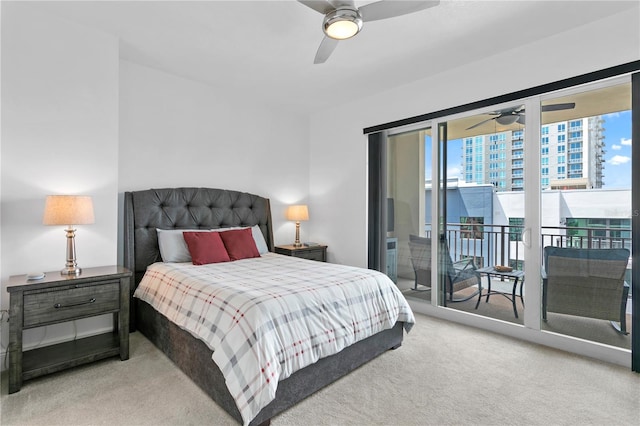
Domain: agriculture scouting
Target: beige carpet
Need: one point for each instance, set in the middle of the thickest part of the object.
(444, 374)
(499, 307)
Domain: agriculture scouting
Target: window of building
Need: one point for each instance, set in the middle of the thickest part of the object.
(575, 136)
(562, 127)
(575, 124)
(562, 149)
(516, 225)
(544, 130)
(599, 232)
(471, 227)
(575, 157)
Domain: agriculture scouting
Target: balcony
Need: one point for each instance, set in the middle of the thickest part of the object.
(490, 245)
(502, 244)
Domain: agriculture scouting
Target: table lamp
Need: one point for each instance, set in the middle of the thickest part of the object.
(297, 213)
(69, 210)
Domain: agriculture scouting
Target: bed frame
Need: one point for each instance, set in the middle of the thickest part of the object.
(206, 208)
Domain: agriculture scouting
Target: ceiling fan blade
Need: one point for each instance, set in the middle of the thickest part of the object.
(327, 46)
(508, 111)
(480, 123)
(321, 6)
(391, 9)
(557, 107)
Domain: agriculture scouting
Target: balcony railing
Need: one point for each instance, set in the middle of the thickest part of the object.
(502, 244)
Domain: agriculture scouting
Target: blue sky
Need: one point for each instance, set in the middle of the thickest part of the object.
(617, 170)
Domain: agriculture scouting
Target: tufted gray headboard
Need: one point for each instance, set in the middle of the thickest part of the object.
(185, 208)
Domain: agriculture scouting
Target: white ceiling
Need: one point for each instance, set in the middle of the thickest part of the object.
(264, 50)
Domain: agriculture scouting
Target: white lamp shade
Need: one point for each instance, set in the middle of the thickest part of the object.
(68, 210)
(297, 212)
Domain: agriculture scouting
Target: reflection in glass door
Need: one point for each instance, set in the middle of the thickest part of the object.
(408, 163)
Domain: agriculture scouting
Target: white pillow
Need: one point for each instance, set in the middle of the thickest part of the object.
(173, 247)
(259, 239)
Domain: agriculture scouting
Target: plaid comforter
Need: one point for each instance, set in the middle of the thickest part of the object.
(267, 317)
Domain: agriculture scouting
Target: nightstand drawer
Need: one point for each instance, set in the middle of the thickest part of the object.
(315, 252)
(318, 254)
(46, 306)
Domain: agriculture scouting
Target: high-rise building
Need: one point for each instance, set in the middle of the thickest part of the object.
(571, 156)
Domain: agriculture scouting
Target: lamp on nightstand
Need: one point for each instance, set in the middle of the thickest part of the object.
(69, 210)
(298, 212)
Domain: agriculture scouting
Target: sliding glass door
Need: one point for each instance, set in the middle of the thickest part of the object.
(408, 164)
(586, 188)
(517, 217)
(482, 213)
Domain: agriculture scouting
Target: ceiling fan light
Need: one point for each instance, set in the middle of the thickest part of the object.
(342, 24)
(506, 120)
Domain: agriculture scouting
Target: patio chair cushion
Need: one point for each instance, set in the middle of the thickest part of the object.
(459, 275)
(585, 282)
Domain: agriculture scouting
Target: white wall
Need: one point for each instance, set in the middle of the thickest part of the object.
(59, 136)
(177, 132)
(339, 150)
(75, 119)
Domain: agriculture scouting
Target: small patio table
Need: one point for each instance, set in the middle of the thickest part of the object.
(515, 275)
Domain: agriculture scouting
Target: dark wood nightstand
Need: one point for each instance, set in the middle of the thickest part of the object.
(60, 298)
(318, 252)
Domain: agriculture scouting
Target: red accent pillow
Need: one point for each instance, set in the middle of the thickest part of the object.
(205, 247)
(239, 243)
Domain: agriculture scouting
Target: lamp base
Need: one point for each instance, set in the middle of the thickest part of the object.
(71, 267)
(71, 271)
(297, 243)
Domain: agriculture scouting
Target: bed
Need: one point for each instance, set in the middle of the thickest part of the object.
(214, 210)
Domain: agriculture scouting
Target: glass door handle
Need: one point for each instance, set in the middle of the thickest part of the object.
(526, 237)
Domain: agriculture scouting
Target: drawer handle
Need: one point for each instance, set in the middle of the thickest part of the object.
(59, 306)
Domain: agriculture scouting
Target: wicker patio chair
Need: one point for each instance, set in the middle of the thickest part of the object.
(459, 275)
(586, 283)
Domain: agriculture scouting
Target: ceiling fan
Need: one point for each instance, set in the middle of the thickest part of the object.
(509, 116)
(343, 20)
